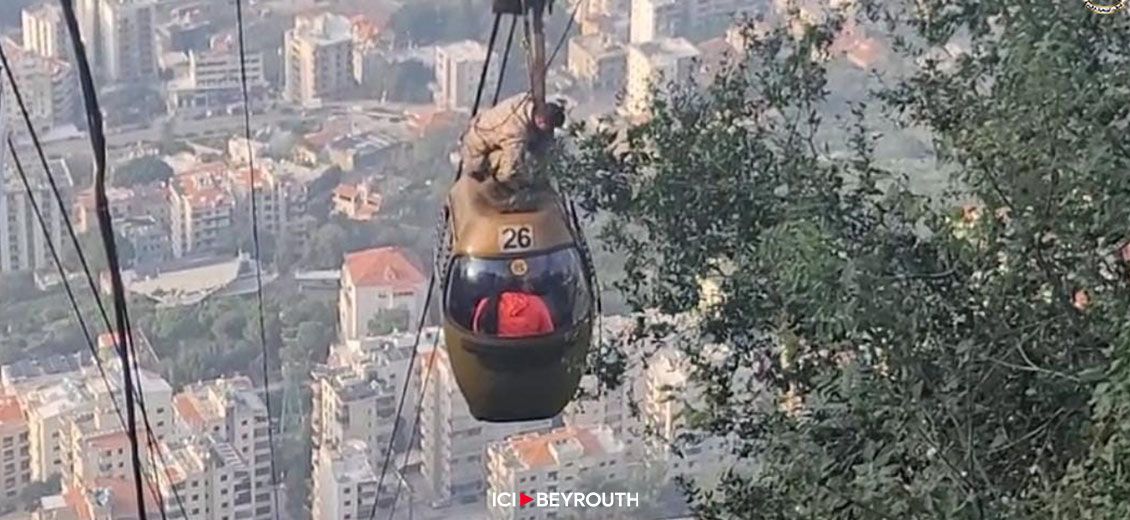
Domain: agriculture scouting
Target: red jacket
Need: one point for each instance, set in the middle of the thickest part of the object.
(519, 315)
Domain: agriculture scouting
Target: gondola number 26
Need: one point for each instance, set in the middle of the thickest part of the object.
(516, 238)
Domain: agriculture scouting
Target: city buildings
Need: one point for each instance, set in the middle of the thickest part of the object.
(598, 61)
(89, 17)
(15, 456)
(355, 395)
(652, 65)
(44, 32)
(356, 201)
(452, 441)
(128, 35)
(207, 199)
(224, 426)
(699, 20)
(567, 459)
(23, 245)
(201, 209)
(380, 288)
(345, 483)
(458, 67)
(212, 80)
(48, 87)
(318, 53)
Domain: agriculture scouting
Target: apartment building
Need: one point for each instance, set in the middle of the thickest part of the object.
(379, 286)
(201, 209)
(44, 32)
(212, 80)
(128, 35)
(15, 452)
(23, 246)
(318, 53)
(693, 19)
(567, 459)
(452, 442)
(356, 391)
(49, 89)
(652, 66)
(598, 61)
(458, 67)
(224, 423)
(345, 483)
(206, 200)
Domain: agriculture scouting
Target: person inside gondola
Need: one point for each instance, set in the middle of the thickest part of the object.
(517, 313)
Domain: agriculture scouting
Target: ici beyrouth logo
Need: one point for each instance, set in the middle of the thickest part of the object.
(565, 499)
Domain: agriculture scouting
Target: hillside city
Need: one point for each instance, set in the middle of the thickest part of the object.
(909, 296)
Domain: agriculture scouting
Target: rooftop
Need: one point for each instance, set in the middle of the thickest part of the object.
(667, 49)
(556, 447)
(383, 267)
(11, 411)
(466, 50)
(323, 28)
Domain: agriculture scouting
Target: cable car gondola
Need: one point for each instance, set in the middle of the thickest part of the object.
(530, 246)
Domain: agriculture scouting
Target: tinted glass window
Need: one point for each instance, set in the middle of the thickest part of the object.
(535, 294)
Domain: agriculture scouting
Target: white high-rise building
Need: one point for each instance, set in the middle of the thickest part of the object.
(128, 32)
(653, 65)
(452, 442)
(227, 418)
(345, 484)
(380, 288)
(212, 80)
(458, 67)
(568, 459)
(23, 246)
(697, 20)
(48, 87)
(319, 59)
(666, 392)
(89, 14)
(44, 32)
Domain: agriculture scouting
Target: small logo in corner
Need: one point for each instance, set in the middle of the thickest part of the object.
(1105, 6)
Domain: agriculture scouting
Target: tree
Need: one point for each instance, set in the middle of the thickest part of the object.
(142, 170)
(885, 354)
(388, 321)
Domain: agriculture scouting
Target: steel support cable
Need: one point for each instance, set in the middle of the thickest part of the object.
(258, 255)
(403, 393)
(56, 259)
(482, 80)
(432, 279)
(505, 60)
(83, 261)
(63, 210)
(431, 361)
(415, 424)
(106, 227)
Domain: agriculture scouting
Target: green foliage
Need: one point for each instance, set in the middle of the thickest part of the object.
(940, 367)
(404, 82)
(142, 170)
(389, 321)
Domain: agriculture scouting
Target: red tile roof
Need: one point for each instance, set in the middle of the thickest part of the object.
(11, 410)
(109, 441)
(188, 409)
(383, 267)
(534, 450)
